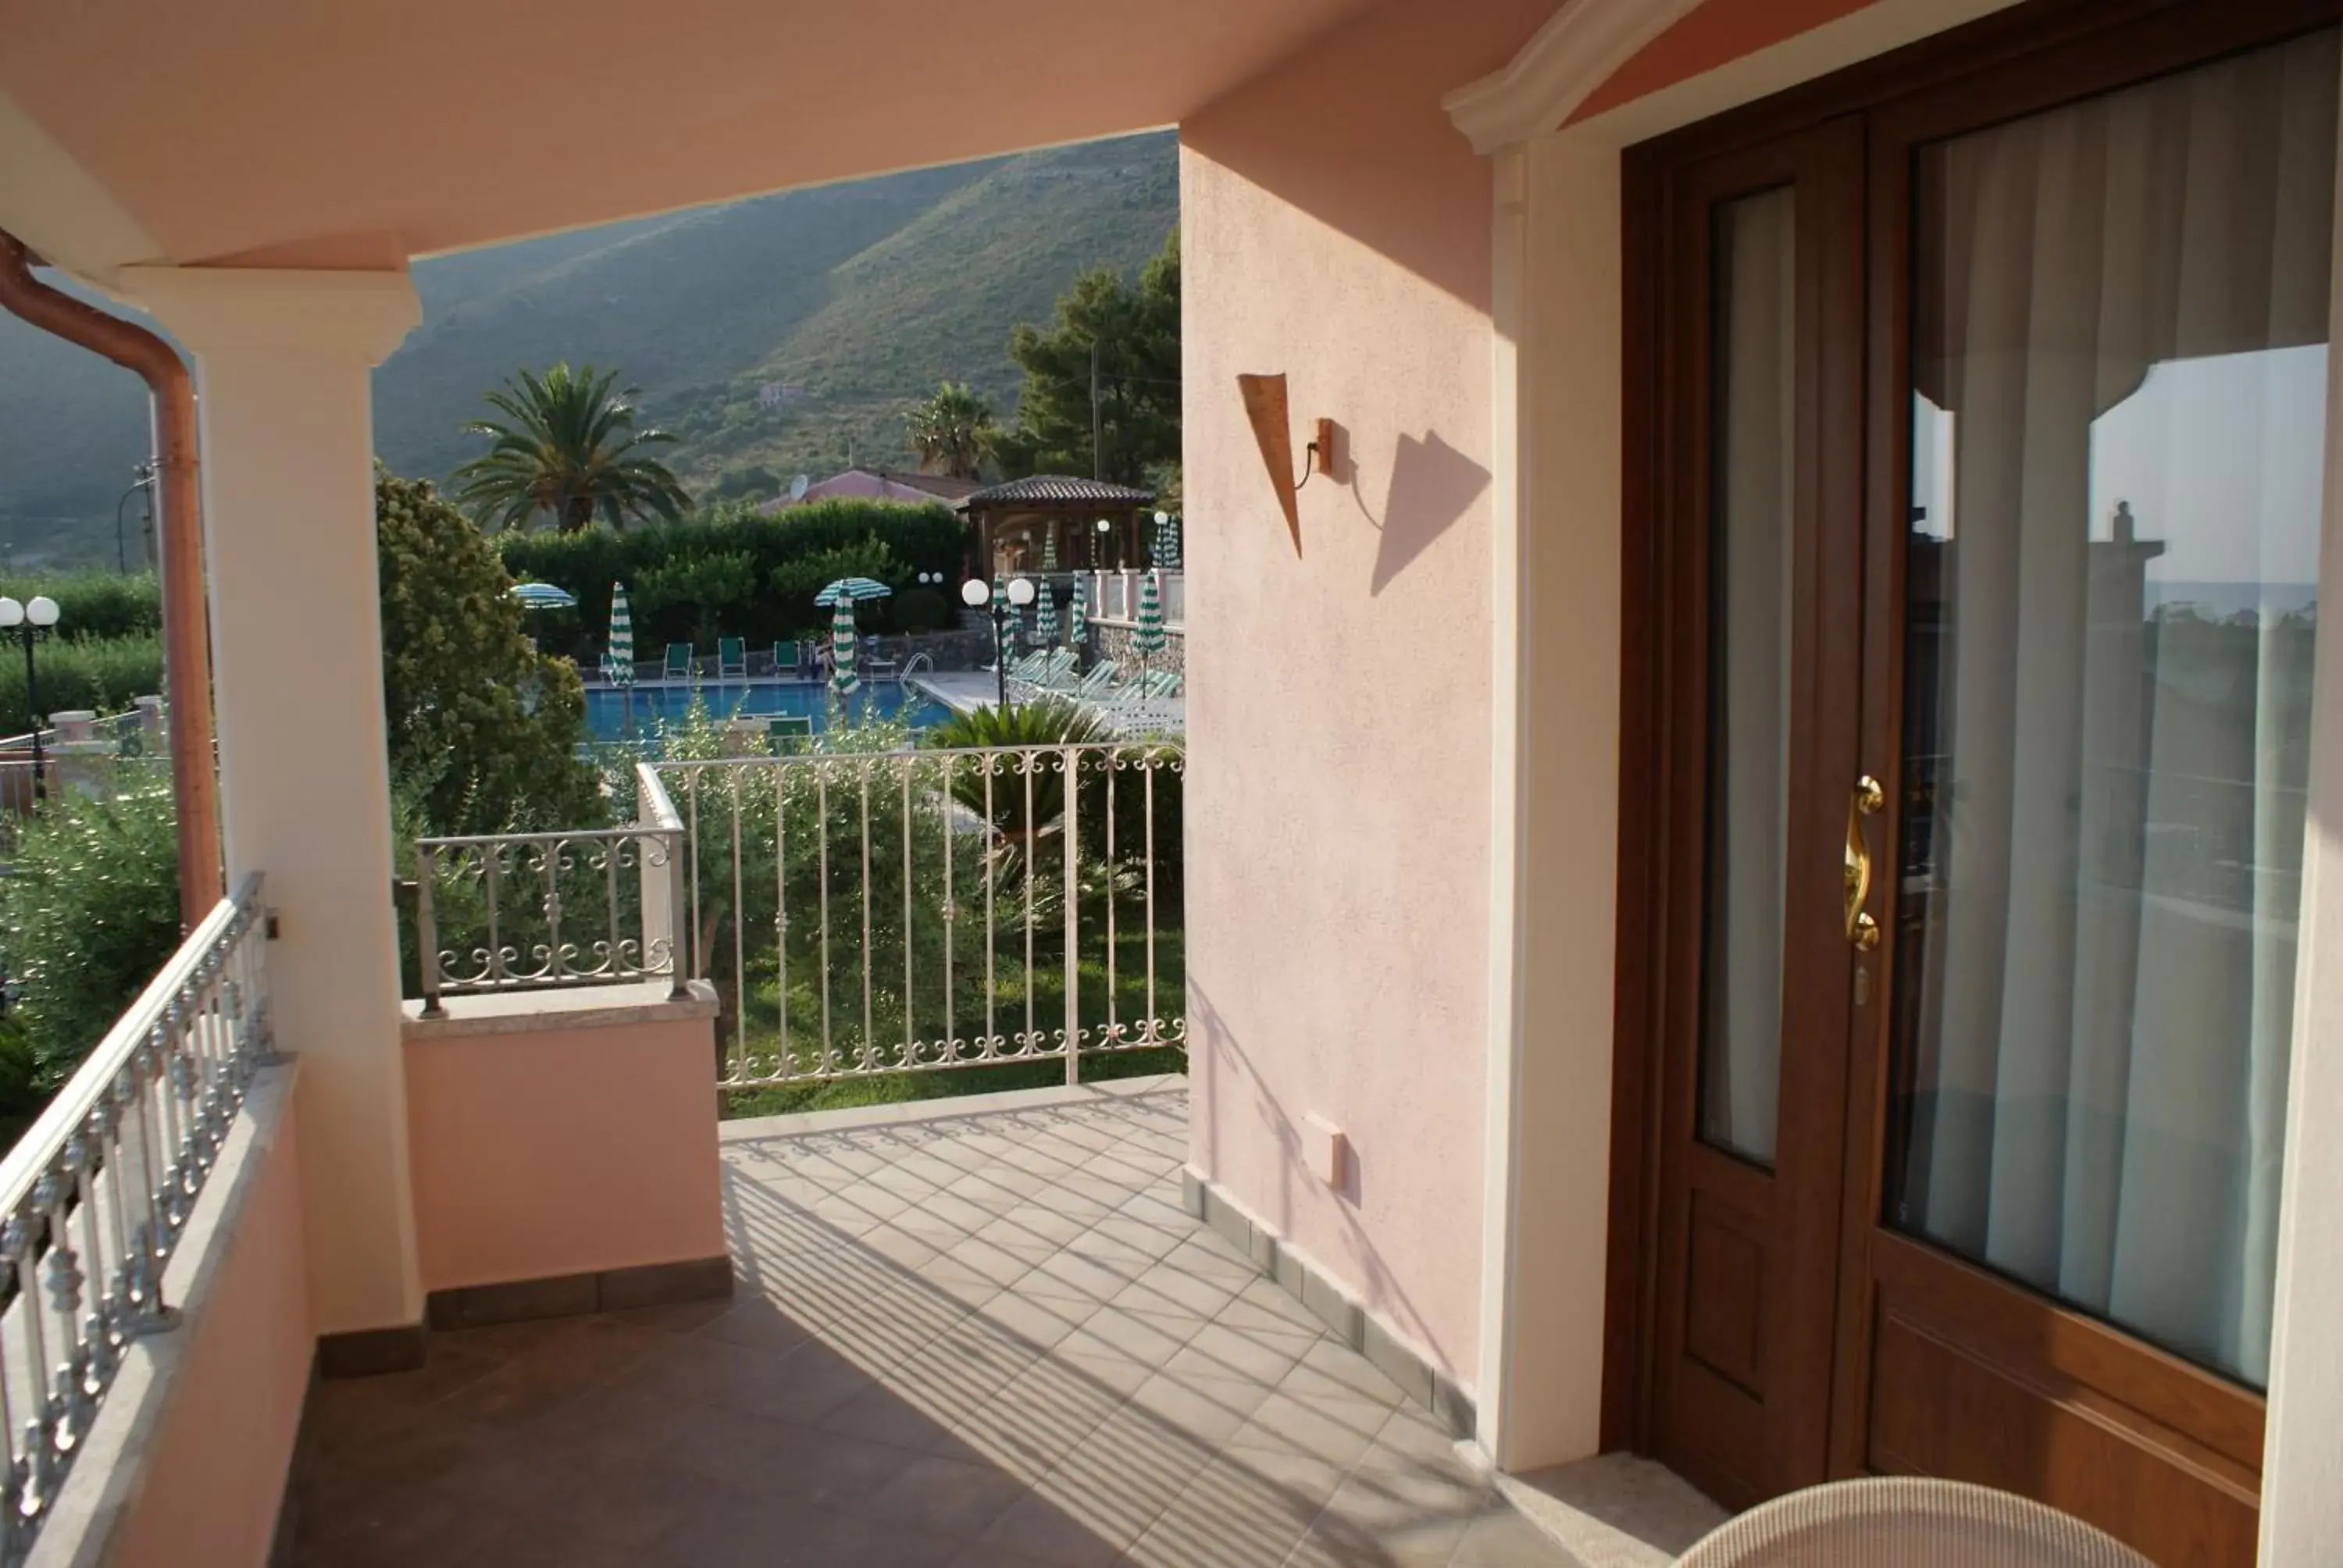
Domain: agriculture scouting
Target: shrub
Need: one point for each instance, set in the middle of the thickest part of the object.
(922, 609)
(102, 674)
(89, 914)
(705, 593)
(672, 602)
(99, 603)
(1053, 721)
(484, 729)
(797, 582)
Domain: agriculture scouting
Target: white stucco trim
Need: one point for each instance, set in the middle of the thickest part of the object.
(1556, 441)
(1569, 57)
(58, 208)
(359, 315)
(1509, 462)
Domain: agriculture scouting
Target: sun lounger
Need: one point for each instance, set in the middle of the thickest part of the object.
(678, 661)
(731, 659)
(1051, 673)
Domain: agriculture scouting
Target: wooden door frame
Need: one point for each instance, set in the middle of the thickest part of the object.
(2039, 52)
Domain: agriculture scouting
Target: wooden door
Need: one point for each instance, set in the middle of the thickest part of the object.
(2032, 1298)
(2049, 429)
(1760, 523)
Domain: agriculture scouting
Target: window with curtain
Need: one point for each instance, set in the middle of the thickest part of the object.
(1750, 576)
(2119, 356)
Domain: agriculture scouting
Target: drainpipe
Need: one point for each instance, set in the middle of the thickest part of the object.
(186, 640)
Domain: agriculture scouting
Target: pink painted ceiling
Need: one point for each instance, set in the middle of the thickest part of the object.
(323, 133)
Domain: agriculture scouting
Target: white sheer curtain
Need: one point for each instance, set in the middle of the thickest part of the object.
(1756, 272)
(2104, 947)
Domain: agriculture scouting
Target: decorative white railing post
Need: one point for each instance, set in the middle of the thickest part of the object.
(1070, 760)
(427, 928)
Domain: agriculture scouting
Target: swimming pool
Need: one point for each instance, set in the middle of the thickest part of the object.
(608, 708)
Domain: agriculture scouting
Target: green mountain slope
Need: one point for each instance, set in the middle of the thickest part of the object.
(776, 333)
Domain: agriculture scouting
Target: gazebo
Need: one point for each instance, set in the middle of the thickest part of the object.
(1015, 525)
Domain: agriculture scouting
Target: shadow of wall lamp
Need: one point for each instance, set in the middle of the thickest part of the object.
(1264, 402)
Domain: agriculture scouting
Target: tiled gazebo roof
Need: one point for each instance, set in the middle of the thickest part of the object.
(1056, 490)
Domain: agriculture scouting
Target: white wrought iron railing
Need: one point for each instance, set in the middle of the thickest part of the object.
(95, 1195)
(862, 914)
(528, 911)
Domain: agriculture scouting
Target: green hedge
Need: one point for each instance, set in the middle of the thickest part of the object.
(736, 572)
(101, 674)
(97, 604)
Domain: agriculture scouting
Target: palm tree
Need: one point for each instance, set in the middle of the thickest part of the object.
(952, 431)
(570, 449)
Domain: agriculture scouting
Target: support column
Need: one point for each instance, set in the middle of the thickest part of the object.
(283, 362)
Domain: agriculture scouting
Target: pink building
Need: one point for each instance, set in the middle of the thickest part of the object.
(878, 485)
(1732, 914)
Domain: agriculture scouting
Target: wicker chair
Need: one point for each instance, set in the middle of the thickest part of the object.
(1897, 1521)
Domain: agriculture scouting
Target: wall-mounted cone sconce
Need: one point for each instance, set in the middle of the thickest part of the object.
(1264, 401)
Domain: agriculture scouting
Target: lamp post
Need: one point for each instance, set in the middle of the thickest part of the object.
(977, 595)
(28, 624)
(144, 482)
(1105, 529)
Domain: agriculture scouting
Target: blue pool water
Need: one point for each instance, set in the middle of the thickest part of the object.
(608, 708)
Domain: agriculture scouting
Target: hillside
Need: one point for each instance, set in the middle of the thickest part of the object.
(847, 302)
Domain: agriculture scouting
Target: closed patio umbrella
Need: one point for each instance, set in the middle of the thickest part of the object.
(618, 660)
(619, 657)
(843, 681)
(1078, 617)
(1149, 637)
(1045, 615)
(1012, 627)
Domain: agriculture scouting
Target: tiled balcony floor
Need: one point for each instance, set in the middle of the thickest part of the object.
(983, 1338)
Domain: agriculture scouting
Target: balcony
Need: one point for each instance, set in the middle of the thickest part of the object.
(963, 1332)
(1000, 1329)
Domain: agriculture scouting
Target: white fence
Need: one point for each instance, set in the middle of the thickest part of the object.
(891, 912)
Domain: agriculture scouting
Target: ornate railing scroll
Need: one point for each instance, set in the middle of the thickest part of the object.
(529, 911)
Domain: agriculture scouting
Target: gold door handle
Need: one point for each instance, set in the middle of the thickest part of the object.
(1862, 930)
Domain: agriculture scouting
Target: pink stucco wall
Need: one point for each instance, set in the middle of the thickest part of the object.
(213, 1473)
(1336, 228)
(562, 1151)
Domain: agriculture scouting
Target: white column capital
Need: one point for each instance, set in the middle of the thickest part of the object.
(359, 315)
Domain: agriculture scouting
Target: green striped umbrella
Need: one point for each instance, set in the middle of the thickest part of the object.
(1078, 617)
(1149, 638)
(1012, 629)
(855, 589)
(1172, 542)
(1049, 550)
(620, 658)
(843, 681)
(1045, 615)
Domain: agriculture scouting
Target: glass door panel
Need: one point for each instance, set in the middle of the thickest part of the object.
(2120, 316)
(1755, 471)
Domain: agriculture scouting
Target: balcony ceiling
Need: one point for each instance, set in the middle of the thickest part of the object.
(287, 133)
